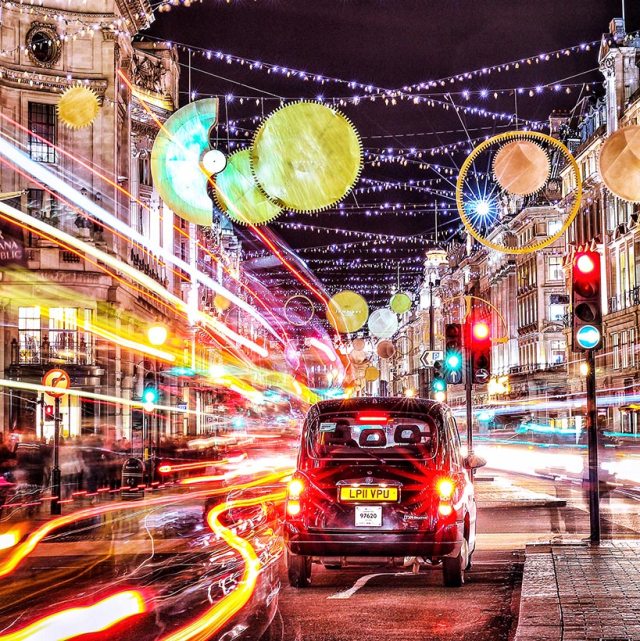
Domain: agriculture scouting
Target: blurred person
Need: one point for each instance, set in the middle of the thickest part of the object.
(30, 471)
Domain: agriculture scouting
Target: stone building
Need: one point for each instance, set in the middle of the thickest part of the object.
(44, 50)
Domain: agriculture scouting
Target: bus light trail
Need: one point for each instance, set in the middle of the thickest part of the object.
(167, 468)
(211, 621)
(75, 622)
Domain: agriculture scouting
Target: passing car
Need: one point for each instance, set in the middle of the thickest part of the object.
(380, 477)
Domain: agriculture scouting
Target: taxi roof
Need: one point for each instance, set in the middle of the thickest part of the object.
(387, 403)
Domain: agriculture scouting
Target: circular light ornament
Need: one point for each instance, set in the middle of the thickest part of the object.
(478, 196)
(347, 311)
(371, 374)
(619, 163)
(383, 323)
(521, 167)
(358, 357)
(588, 337)
(400, 303)
(157, 334)
(213, 161)
(306, 156)
(299, 310)
(238, 196)
(358, 344)
(385, 349)
(78, 107)
(176, 161)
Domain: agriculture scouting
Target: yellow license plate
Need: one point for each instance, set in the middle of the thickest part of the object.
(368, 493)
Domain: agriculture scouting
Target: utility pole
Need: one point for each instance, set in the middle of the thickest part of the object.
(592, 435)
(468, 382)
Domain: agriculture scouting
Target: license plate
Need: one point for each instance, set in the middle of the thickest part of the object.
(366, 493)
(368, 515)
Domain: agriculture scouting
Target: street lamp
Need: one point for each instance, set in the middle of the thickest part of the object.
(157, 334)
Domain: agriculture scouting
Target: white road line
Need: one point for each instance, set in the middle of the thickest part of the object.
(362, 581)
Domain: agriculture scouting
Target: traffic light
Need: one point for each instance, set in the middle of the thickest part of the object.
(586, 301)
(453, 353)
(438, 383)
(480, 349)
(49, 414)
(150, 393)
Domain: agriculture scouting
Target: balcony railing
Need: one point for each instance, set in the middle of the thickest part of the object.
(60, 346)
(625, 300)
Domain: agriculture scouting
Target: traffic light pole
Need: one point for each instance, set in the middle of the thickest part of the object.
(468, 386)
(592, 427)
(55, 472)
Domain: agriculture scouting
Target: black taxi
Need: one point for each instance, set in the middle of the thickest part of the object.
(380, 477)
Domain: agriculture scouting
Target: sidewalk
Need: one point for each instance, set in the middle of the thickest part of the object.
(577, 592)
(498, 492)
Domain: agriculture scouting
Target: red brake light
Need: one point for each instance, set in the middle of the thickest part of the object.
(295, 488)
(445, 488)
(373, 418)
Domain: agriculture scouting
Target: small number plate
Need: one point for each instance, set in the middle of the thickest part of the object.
(368, 515)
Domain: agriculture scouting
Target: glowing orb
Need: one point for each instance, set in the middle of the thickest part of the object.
(521, 167)
(400, 303)
(385, 349)
(221, 303)
(292, 356)
(358, 344)
(347, 311)
(383, 323)
(78, 107)
(175, 161)
(213, 161)
(306, 156)
(157, 334)
(358, 356)
(371, 374)
(238, 196)
(619, 163)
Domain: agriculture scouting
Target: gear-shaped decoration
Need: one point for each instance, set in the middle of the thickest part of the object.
(483, 199)
(176, 161)
(306, 156)
(619, 163)
(238, 196)
(78, 107)
(521, 167)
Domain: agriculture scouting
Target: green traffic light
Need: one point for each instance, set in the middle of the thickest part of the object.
(439, 385)
(454, 361)
(150, 395)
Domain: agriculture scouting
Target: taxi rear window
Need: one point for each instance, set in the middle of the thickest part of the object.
(388, 436)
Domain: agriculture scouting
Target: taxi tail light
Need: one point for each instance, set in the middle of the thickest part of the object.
(445, 509)
(373, 418)
(445, 487)
(295, 489)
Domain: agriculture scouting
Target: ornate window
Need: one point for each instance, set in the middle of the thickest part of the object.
(29, 335)
(43, 123)
(43, 44)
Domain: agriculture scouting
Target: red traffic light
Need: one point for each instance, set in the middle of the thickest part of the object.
(49, 413)
(480, 331)
(585, 264)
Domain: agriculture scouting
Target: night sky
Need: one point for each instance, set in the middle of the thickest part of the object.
(389, 44)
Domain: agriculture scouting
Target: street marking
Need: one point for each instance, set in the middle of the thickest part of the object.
(362, 581)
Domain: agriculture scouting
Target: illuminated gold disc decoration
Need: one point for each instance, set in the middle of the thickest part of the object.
(385, 349)
(78, 107)
(400, 303)
(482, 202)
(238, 196)
(521, 167)
(619, 163)
(347, 311)
(306, 157)
(371, 373)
